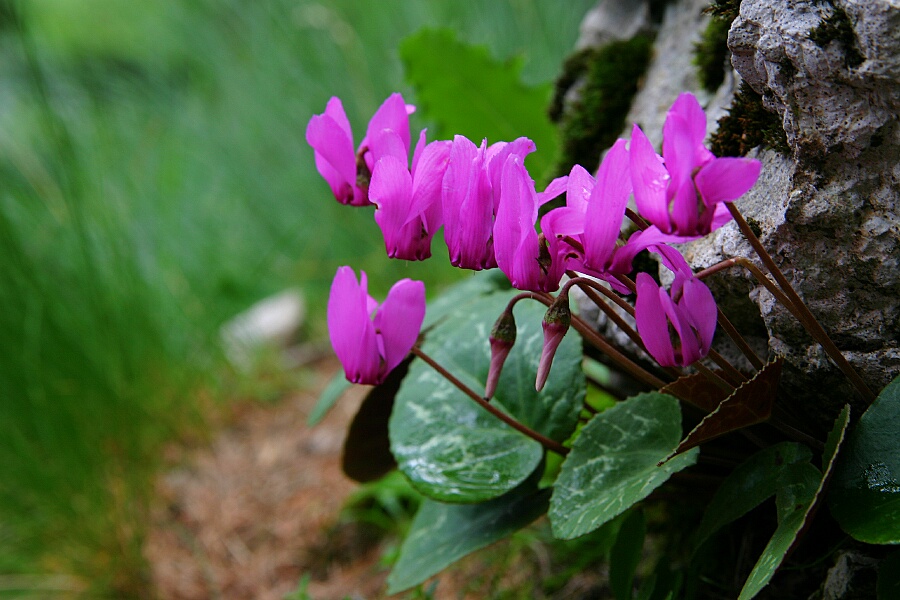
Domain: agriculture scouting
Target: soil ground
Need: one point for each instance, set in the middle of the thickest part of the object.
(252, 513)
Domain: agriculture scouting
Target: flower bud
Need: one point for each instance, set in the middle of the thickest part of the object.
(503, 336)
(556, 324)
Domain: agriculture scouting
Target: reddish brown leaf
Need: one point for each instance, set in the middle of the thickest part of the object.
(749, 404)
(698, 390)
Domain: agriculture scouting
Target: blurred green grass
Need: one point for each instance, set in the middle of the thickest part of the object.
(155, 180)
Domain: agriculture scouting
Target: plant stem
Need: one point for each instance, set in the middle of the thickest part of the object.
(805, 316)
(587, 286)
(541, 439)
(732, 375)
(714, 378)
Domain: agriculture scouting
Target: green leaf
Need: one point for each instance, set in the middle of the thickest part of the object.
(467, 92)
(749, 485)
(453, 450)
(457, 296)
(796, 501)
(626, 554)
(613, 463)
(443, 533)
(864, 497)
(333, 391)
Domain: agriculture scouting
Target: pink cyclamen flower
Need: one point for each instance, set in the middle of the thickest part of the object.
(408, 204)
(346, 170)
(370, 339)
(522, 256)
(588, 226)
(682, 193)
(676, 329)
(470, 198)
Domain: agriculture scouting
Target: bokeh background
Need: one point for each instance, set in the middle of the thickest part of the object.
(154, 182)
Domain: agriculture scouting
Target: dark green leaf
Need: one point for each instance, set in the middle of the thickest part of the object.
(335, 389)
(626, 554)
(443, 533)
(613, 463)
(749, 485)
(367, 450)
(865, 492)
(467, 92)
(796, 501)
(449, 447)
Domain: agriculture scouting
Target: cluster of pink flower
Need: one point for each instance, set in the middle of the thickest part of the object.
(487, 203)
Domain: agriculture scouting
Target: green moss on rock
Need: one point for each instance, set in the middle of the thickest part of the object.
(837, 27)
(609, 78)
(711, 54)
(747, 125)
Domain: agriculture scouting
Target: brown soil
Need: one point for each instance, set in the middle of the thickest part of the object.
(248, 516)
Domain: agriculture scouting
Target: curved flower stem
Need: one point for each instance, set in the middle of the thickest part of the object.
(596, 340)
(714, 377)
(729, 373)
(637, 219)
(757, 273)
(588, 287)
(804, 315)
(541, 439)
(739, 340)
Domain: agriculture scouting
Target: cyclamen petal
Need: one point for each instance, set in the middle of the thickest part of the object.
(351, 329)
(606, 208)
(391, 192)
(726, 179)
(346, 170)
(650, 179)
(651, 321)
(471, 197)
(371, 340)
(688, 311)
(408, 207)
(391, 115)
(680, 194)
(399, 320)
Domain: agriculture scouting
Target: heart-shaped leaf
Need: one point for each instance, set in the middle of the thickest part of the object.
(457, 296)
(452, 449)
(865, 493)
(442, 533)
(465, 91)
(613, 463)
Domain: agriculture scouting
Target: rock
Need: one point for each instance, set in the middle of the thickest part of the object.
(829, 213)
(613, 21)
(270, 323)
(827, 210)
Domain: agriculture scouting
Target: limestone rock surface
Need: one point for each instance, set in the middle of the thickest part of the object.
(829, 210)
